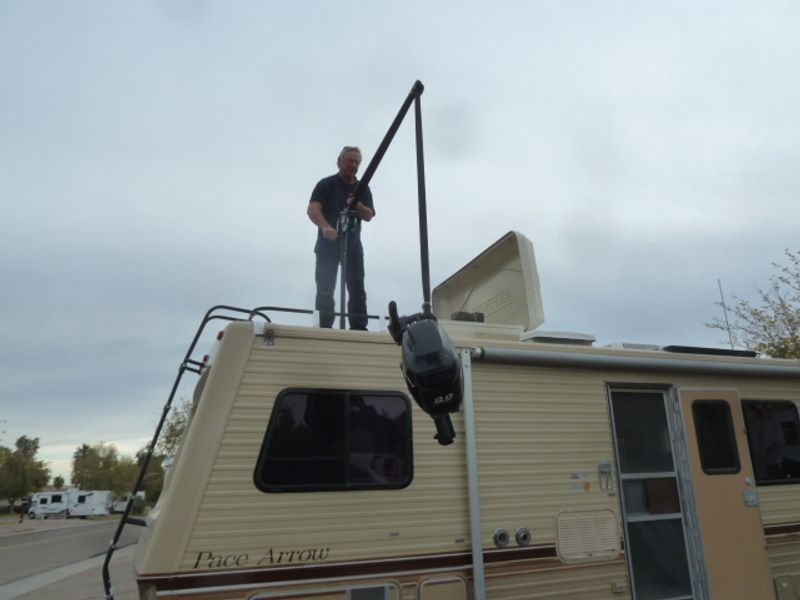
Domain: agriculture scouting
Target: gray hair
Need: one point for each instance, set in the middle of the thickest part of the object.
(347, 149)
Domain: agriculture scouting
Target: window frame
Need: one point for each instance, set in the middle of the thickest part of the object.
(341, 486)
(782, 403)
(731, 438)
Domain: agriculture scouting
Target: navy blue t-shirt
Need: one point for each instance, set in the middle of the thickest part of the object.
(332, 193)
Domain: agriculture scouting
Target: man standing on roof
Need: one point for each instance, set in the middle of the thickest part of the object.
(329, 198)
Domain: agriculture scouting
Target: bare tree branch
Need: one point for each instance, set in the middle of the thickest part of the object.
(772, 324)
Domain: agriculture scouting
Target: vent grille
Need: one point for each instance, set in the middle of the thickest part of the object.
(634, 346)
(584, 536)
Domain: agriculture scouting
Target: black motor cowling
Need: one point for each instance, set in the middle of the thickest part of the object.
(431, 368)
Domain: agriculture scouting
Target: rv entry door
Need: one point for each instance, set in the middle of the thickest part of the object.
(659, 560)
(725, 495)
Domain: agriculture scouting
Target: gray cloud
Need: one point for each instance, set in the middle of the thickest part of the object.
(156, 160)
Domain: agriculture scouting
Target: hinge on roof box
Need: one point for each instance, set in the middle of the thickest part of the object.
(269, 338)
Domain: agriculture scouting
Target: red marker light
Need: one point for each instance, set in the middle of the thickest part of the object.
(219, 335)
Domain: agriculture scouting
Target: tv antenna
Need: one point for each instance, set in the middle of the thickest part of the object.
(725, 312)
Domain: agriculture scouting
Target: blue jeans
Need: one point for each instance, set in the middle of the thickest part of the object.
(325, 274)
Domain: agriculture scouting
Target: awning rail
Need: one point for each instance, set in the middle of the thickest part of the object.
(617, 362)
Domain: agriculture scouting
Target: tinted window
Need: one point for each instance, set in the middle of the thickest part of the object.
(335, 440)
(773, 433)
(651, 496)
(657, 551)
(716, 440)
(640, 424)
(371, 593)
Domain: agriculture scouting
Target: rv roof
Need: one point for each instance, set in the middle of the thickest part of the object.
(501, 283)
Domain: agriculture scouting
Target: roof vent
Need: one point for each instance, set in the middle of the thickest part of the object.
(634, 346)
(713, 351)
(558, 337)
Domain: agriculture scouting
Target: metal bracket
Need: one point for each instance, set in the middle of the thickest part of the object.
(750, 497)
(269, 338)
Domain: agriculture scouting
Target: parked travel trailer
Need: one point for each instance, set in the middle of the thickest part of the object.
(84, 504)
(577, 472)
(120, 503)
(70, 503)
(49, 504)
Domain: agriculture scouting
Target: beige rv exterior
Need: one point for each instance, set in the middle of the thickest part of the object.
(525, 504)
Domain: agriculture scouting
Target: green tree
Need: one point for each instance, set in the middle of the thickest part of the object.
(96, 467)
(153, 479)
(99, 467)
(21, 473)
(85, 465)
(167, 445)
(772, 324)
(58, 482)
(5, 473)
(174, 426)
(124, 476)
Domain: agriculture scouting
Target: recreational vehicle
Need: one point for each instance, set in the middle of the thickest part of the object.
(70, 503)
(84, 504)
(119, 504)
(575, 471)
(49, 504)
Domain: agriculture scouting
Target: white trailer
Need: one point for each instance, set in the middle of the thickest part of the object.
(84, 504)
(48, 504)
(119, 504)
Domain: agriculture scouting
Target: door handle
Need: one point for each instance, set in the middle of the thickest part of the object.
(605, 477)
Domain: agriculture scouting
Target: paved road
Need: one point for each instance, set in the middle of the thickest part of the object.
(39, 550)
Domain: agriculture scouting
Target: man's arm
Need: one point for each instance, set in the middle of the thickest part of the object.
(364, 211)
(314, 213)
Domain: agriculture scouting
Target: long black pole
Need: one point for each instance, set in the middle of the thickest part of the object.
(423, 215)
(416, 92)
(343, 227)
(361, 187)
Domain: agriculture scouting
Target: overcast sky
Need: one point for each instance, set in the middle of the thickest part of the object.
(156, 158)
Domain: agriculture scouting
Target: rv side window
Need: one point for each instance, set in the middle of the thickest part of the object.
(42, 500)
(55, 498)
(336, 440)
(716, 438)
(773, 434)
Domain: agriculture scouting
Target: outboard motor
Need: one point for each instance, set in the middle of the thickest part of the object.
(431, 367)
